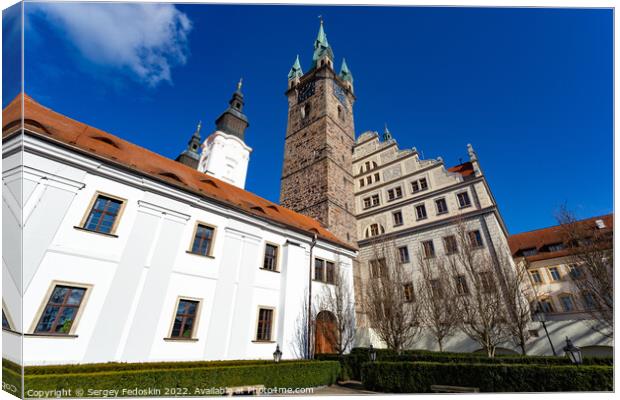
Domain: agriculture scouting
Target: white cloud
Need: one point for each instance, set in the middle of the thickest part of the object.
(145, 39)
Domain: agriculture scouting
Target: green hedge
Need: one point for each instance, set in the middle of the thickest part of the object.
(11, 378)
(188, 381)
(417, 377)
(116, 366)
(351, 363)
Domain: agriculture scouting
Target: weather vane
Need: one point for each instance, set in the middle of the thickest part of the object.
(240, 84)
(321, 19)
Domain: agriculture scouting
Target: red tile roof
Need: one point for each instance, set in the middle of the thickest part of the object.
(541, 238)
(466, 169)
(49, 124)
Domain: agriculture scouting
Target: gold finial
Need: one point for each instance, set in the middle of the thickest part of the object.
(321, 19)
(199, 126)
(239, 84)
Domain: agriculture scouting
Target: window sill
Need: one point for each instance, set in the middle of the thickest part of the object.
(263, 341)
(442, 213)
(52, 335)
(396, 225)
(171, 339)
(199, 255)
(421, 219)
(79, 228)
(270, 270)
(465, 206)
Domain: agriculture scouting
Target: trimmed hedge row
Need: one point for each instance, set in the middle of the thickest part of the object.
(417, 377)
(192, 381)
(11, 380)
(116, 366)
(351, 363)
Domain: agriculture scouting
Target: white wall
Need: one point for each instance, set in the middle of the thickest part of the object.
(137, 277)
(225, 157)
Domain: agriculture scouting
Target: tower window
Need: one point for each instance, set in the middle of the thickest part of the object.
(340, 113)
(237, 105)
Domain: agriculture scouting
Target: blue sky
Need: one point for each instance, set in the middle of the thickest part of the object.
(531, 89)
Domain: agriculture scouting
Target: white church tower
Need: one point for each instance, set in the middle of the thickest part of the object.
(224, 153)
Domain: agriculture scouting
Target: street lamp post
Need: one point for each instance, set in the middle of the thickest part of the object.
(572, 352)
(372, 353)
(277, 355)
(539, 316)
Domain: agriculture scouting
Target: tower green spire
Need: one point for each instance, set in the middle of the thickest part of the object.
(387, 135)
(295, 71)
(345, 73)
(321, 46)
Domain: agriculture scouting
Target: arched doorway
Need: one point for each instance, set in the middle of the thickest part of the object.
(325, 341)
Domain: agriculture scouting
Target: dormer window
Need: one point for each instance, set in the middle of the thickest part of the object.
(600, 224)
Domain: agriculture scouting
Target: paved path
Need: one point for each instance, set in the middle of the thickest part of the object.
(347, 388)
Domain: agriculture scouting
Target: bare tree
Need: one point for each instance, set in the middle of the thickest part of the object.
(480, 298)
(338, 299)
(393, 317)
(302, 339)
(519, 293)
(590, 251)
(437, 297)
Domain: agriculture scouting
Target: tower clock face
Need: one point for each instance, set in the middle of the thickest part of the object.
(340, 95)
(306, 90)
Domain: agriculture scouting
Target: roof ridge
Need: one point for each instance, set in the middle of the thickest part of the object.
(136, 157)
(559, 225)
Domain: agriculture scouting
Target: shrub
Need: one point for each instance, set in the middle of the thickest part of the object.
(351, 363)
(189, 381)
(417, 377)
(11, 378)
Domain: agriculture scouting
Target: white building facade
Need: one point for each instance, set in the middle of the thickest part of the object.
(119, 265)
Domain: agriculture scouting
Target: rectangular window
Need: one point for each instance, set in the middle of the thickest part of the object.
(330, 272)
(377, 177)
(576, 271)
(61, 310)
(536, 278)
(415, 186)
(398, 218)
(556, 247)
(475, 239)
(423, 184)
(395, 193)
(185, 319)
(367, 202)
(265, 321)
(567, 303)
(408, 291)
(588, 301)
(555, 273)
(377, 267)
(420, 212)
(202, 240)
(461, 284)
(442, 206)
(103, 214)
(463, 199)
(361, 182)
(5, 321)
(546, 306)
(429, 249)
(319, 269)
(449, 243)
(375, 200)
(369, 179)
(529, 252)
(270, 262)
(403, 254)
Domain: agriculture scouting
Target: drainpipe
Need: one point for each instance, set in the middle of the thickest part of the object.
(309, 328)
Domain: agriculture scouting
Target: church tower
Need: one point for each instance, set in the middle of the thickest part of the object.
(224, 153)
(317, 171)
